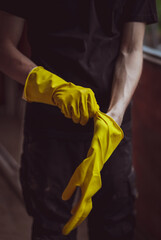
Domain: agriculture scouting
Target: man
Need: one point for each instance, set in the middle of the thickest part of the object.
(97, 45)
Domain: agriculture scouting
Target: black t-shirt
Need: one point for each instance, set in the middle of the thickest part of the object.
(79, 39)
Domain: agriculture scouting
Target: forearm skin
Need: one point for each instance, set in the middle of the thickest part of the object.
(127, 74)
(13, 63)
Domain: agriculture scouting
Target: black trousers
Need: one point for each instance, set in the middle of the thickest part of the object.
(53, 147)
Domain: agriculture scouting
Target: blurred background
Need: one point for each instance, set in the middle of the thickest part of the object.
(14, 222)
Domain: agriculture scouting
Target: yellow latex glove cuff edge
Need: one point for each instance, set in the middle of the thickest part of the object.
(114, 122)
(35, 69)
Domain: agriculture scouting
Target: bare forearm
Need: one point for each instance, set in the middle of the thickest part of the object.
(13, 63)
(127, 74)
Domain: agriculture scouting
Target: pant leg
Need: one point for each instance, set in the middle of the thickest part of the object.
(49, 159)
(113, 216)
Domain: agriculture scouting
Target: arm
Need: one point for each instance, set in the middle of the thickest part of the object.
(50, 89)
(128, 69)
(12, 62)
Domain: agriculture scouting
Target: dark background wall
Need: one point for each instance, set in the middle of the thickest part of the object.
(147, 151)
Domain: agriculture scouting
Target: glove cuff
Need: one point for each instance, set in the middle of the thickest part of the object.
(33, 70)
(45, 82)
(100, 114)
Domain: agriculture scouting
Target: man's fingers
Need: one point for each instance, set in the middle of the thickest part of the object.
(75, 112)
(93, 107)
(84, 112)
(76, 102)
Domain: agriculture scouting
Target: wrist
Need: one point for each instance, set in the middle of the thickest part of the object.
(31, 69)
(116, 114)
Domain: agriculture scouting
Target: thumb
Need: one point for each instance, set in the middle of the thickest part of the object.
(71, 187)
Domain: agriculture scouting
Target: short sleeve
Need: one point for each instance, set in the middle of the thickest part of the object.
(14, 7)
(140, 11)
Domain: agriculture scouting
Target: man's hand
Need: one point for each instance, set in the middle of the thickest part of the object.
(75, 102)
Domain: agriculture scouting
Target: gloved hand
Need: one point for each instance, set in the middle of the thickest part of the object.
(75, 102)
(107, 136)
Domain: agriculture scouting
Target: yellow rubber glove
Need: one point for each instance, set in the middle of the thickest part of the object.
(75, 102)
(107, 136)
